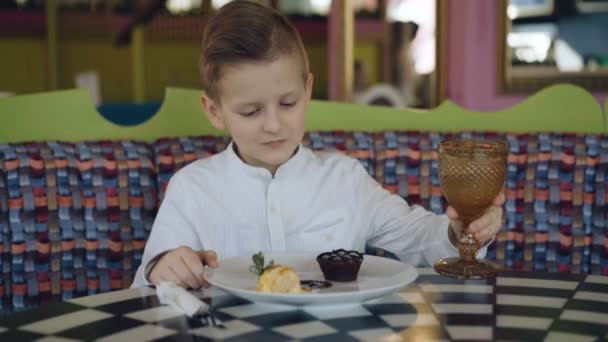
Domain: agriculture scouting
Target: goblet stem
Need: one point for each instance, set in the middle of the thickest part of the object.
(468, 247)
(466, 266)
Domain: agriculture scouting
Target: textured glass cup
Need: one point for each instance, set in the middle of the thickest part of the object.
(471, 174)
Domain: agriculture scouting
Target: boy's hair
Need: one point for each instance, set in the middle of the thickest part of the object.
(244, 31)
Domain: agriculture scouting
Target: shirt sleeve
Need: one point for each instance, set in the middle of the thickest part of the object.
(413, 234)
(173, 227)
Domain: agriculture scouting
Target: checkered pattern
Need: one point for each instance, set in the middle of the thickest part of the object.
(75, 217)
(78, 217)
(515, 306)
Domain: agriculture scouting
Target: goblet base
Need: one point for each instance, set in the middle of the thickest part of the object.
(455, 267)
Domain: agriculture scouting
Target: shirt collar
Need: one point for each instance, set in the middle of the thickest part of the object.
(294, 163)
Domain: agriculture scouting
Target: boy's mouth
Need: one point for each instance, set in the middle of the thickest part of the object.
(275, 143)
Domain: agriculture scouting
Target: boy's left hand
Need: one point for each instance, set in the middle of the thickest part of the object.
(485, 227)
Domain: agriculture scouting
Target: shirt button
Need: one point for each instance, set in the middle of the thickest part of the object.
(273, 210)
(329, 237)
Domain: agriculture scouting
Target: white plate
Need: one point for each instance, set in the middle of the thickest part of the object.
(377, 277)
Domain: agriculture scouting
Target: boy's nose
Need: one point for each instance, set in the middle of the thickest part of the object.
(271, 121)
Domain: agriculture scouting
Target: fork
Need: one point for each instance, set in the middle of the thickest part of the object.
(182, 300)
(205, 316)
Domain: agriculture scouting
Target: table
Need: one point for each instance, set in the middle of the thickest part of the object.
(529, 306)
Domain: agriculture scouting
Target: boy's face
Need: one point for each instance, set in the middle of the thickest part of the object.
(263, 107)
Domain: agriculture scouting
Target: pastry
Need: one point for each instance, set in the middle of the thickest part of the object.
(340, 264)
(274, 278)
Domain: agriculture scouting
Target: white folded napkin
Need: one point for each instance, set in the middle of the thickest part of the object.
(180, 299)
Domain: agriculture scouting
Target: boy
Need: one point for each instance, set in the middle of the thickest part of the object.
(266, 191)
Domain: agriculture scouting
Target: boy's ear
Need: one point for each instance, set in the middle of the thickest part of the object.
(309, 82)
(212, 111)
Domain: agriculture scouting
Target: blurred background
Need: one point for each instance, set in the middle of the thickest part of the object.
(482, 54)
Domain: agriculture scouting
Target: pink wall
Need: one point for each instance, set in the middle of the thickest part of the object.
(471, 61)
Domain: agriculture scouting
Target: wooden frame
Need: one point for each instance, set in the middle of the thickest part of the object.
(341, 34)
(439, 79)
(523, 79)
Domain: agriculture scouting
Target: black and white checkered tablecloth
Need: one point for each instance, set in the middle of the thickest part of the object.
(515, 306)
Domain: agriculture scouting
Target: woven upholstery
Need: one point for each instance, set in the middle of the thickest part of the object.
(75, 217)
(78, 217)
(555, 213)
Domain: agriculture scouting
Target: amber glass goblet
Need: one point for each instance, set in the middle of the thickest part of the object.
(471, 175)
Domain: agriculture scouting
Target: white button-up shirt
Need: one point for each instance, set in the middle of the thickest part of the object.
(316, 202)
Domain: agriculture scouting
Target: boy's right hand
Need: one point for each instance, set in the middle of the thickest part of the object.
(184, 267)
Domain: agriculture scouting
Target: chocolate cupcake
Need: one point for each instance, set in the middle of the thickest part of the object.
(340, 264)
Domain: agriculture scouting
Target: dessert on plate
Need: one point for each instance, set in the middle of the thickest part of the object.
(340, 264)
(274, 278)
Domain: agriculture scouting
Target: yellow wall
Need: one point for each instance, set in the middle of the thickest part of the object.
(112, 64)
(318, 66)
(170, 64)
(175, 64)
(24, 68)
(371, 54)
(23, 65)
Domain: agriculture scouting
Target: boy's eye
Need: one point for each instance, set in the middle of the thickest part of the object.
(249, 113)
(287, 104)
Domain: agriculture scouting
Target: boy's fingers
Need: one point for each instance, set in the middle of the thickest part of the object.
(158, 279)
(160, 271)
(451, 212)
(195, 266)
(492, 215)
(483, 235)
(172, 276)
(500, 199)
(482, 238)
(209, 258)
(184, 268)
(182, 272)
(488, 225)
(478, 224)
